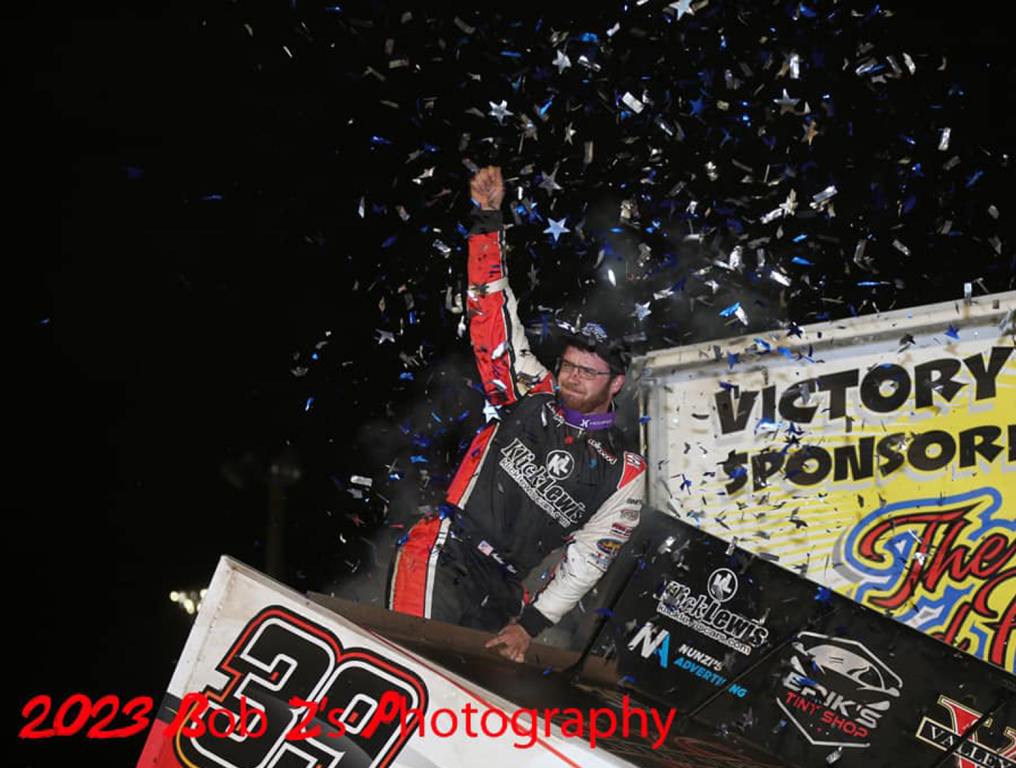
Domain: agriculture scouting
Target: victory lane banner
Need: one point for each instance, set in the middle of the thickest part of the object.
(765, 657)
(874, 455)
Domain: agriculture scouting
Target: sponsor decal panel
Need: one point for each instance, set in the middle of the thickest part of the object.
(974, 752)
(702, 612)
(913, 457)
(837, 691)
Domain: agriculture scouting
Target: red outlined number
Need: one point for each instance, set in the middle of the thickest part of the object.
(72, 715)
(28, 731)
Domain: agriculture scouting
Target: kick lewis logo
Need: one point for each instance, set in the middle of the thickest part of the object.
(540, 483)
(837, 691)
(722, 584)
(974, 752)
(702, 612)
(560, 464)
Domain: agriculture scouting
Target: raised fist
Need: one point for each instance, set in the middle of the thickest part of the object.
(487, 188)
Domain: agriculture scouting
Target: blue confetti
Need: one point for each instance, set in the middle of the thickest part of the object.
(953, 332)
(730, 310)
(802, 261)
(308, 404)
(418, 459)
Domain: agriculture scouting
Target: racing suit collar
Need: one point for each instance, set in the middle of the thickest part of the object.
(590, 421)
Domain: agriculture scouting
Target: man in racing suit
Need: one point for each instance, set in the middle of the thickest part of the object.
(549, 472)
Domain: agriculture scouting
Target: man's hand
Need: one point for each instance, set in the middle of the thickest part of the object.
(487, 188)
(515, 641)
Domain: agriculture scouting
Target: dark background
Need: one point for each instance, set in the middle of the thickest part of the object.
(182, 230)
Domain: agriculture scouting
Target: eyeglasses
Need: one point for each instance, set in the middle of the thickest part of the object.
(582, 371)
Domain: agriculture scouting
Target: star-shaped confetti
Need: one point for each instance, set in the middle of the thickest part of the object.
(682, 7)
(500, 111)
(557, 228)
(549, 183)
(561, 61)
(810, 131)
(642, 311)
(787, 103)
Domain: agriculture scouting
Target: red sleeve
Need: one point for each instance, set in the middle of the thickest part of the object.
(508, 369)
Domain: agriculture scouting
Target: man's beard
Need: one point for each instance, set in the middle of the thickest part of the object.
(577, 402)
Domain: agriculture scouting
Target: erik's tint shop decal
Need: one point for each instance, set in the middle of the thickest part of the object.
(976, 751)
(297, 675)
(702, 611)
(837, 691)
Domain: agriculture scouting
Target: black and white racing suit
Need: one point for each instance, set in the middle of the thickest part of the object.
(539, 477)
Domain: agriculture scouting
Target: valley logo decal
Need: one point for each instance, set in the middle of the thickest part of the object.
(837, 691)
(702, 612)
(972, 753)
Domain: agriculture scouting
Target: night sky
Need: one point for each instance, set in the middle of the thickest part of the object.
(216, 212)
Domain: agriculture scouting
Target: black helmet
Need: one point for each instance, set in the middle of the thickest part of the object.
(593, 338)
